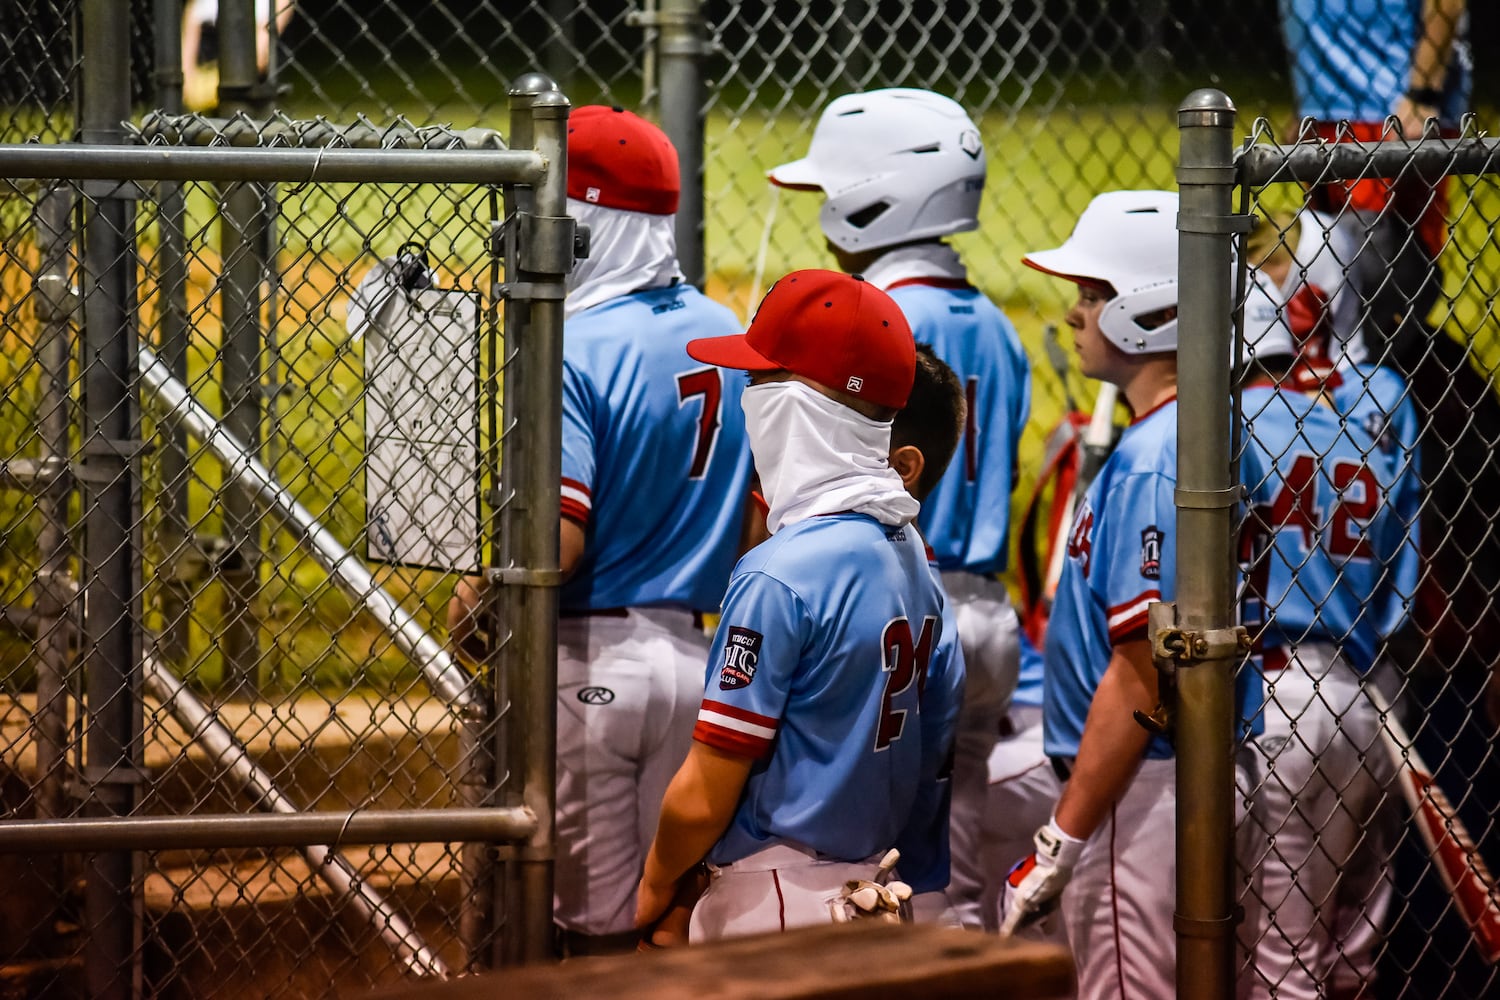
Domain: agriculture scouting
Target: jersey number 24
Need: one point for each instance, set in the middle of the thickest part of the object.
(905, 663)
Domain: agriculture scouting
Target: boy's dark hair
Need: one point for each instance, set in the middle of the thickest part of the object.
(933, 421)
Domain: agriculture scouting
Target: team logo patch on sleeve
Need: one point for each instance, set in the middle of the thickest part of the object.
(1151, 553)
(741, 654)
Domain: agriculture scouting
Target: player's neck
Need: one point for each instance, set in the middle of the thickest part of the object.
(1149, 383)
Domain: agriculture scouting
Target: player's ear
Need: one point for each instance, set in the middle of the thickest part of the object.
(908, 461)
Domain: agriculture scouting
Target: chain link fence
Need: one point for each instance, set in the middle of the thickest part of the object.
(255, 627)
(1369, 421)
(228, 549)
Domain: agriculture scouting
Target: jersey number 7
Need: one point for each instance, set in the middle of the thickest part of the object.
(905, 663)
(703, 382)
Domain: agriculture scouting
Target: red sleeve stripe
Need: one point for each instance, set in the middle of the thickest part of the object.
(739, 744)
(575, 511)
(1130, 617)
(572, 489)
(734, 730)
(577, 503)
(738, 718)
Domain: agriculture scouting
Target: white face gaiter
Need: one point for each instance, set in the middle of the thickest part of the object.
(817, 456)
(919, 260)
(629, 252)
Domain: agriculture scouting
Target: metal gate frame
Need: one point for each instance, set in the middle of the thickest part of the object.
(510, 720)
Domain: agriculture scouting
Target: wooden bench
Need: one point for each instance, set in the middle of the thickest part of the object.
(853, 961)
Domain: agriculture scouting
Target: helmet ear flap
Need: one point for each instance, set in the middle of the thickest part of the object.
(1125, 319)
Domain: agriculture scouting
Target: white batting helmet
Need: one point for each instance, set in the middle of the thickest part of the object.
(896, 165)
(1266, 331)
(1128, 239)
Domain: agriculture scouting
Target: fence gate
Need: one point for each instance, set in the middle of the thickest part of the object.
(244, 458)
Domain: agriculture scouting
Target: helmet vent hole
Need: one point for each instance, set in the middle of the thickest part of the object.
(933, 148)
(851, 111)
(1141, 211)
(868, 214)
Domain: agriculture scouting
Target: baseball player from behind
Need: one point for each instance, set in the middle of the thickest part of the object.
(1332, 560)
(655, 470)
(1111, 838)
(900, 170)
(829, 702)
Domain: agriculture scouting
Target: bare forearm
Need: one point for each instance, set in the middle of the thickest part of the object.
(684, 837)
(695, 812)
(1112, 745)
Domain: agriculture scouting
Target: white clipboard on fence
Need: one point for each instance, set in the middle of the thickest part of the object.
(421, 426)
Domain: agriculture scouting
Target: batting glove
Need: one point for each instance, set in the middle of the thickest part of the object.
(1037, 881)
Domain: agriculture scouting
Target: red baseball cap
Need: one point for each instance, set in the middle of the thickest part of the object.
(620, 160)
(836, 329)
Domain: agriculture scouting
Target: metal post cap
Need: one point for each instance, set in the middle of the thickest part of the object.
(1206, 107)
(532, 83)
(551, 104)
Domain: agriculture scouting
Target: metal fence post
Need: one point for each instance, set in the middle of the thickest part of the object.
(241, 236)
(848, 37)
(178, 567)
(109, 478)
(561, 51)
(531, 461)
(54, 604)
(682, 49)
(1206, 500)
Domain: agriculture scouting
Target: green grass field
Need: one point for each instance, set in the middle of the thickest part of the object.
(1042, 171)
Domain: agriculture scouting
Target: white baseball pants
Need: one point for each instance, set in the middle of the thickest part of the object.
(1324, 816)
(1117, 909)
(1023, 793)
(990, 634)
(628, 689)
(776, 889)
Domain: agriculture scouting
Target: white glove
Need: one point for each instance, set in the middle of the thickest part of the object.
(861, 899)
(1037, 880)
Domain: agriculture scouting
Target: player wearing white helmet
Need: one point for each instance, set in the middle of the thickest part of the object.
(1111, 839)
(900, 170)
(1331, 552)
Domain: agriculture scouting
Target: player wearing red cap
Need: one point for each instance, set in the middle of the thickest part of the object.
(900, 171)
(655, 471)
(808, 763)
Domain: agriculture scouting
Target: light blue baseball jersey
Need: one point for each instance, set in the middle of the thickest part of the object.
(830, 668)
(966, 518)
(1121, 556)
(655, 461)
(924, 843)
(1351, 59)
(1329, 558)
(1029, 681)
(1376, 400)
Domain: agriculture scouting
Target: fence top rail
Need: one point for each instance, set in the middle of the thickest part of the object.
(83, 161)
(1319, 162)
(281, 131)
